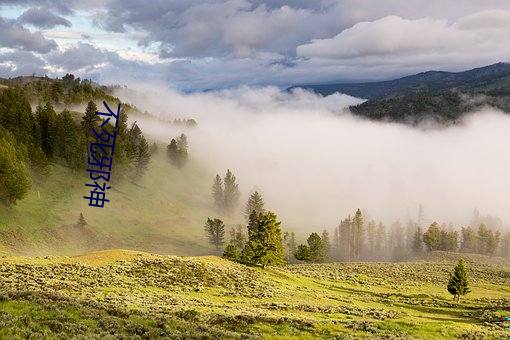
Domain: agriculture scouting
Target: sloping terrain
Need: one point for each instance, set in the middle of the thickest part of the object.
(139, 295)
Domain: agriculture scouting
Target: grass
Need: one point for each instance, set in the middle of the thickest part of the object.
(131, 294)
(164, 212)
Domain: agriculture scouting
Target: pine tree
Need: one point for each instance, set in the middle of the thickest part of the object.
(81, 221)
(237, 237)
(14, 175)
(289, 240)
(88, 122)
(470, 243)
(316, 247)
(231, 192)
(458, 283)
(215, 230)
(266, 241)
(231, 253)
(303, 253)
(326, 243)
(432, 237)
(255, 203)
(247, 254)
(345, 233)
(357, 234)
(418, 241)
(143, 158)
(217, 193)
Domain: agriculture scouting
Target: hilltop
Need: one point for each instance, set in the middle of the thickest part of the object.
(434, 95)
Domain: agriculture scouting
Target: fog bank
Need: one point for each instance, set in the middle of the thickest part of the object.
(315, 163)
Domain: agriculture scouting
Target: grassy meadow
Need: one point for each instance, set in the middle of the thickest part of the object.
(136, 295)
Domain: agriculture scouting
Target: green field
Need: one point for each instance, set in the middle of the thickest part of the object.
(135, 295)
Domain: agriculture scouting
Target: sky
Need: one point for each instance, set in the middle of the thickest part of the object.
(194, 45)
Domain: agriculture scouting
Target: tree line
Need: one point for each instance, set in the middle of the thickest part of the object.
(30, 140)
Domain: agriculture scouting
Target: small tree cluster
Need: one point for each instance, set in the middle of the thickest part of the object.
(226, 193)
(215, 231)
(177, 151)
(316, 250)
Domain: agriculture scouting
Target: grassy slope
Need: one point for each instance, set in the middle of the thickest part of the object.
(164, 213)
(144, 295)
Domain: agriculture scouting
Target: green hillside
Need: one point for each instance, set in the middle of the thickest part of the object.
(164, 212)
(113, 294)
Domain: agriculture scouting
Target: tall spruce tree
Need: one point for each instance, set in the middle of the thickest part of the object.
(458, 283)
(316, 247)
(357, 234)
(326, 243)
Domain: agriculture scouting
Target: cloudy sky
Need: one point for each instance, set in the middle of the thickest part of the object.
(199, 44)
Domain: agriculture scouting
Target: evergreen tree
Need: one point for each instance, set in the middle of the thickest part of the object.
(469, 241)
(14, 175)
(266, 241)
(215, 231)
(253, 224)
(255, 203)
(289, 240)
(458, 283)
(177, 151)
(231, 253)
(357, 234)
(46, 117)
(326, 243)
(432, 237)
(217, 193)
(505, 245)
(371, 237)
(143, 158)
(303, 253)
(230, 192)
(247, 254)
(316, 247)
(345, 231)
(68, 146)
(88, 122)
(418, 241)
(237, 237)
(381, 239)
(81, 221)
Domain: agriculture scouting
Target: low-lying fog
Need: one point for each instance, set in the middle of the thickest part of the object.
(315, 163)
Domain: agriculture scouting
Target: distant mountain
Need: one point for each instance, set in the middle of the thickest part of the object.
(493, 79)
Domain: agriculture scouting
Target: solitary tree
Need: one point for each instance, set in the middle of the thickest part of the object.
(458, 284)
(81, 221)
(215, 230)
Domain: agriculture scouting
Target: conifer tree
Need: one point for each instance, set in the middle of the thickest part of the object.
(217, 192)
(303, 253)
(255, 203)
(215, 231)
(14, 175)
(432, 237)
(316, 247)
(357, 234)
(231, 192)
(326, 243)
(88, 122)
(418, 241)
(81, 220)
(458, 283)
(143, 158)
(231, 253)
(266, 241)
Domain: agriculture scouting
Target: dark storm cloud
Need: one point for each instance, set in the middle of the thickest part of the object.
(42, 18)
(16, 36)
